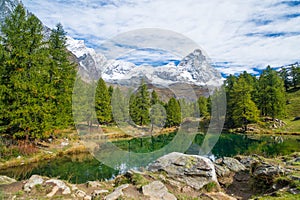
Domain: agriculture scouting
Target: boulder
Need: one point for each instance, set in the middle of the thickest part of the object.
(117, 193)
(5, 180)
(222, 171)
(80, 194)
(247, 161)
(97, 193)
(231, 163)
(217, 196)
(60, 185)
(93, 184)
(192, 170)
(267, 171)
(33, 181)
(157, 191)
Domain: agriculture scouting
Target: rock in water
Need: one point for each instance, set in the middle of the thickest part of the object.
(157, 191)
(192, 170)
(33, 181)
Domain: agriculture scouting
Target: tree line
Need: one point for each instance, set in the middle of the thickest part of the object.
(36, 79)
(143, 107)
(249, 97)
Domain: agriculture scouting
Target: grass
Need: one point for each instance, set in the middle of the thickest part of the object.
(293, 108)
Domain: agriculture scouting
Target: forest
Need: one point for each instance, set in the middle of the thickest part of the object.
(37, 80)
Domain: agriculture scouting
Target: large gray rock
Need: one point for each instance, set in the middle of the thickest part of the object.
(60, 185)
(217, 196)
(192, 170)
(33, 181)
(117, 193)
(267, 171)
(232, 164)
(157, 191)
(5, 180)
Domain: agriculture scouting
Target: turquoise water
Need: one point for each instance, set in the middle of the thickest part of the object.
(83, 167)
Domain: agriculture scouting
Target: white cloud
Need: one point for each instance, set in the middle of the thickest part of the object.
(245, 33)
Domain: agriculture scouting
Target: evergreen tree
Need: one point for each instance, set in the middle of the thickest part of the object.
(154, 98)
(61, 76)
(202, 104)
(295, 73)
(272, 99)
(284, 74)
(36, 78)
(244, 110)
(142, 103)
(229, 83)
(24, 52)
(110, 91)
(103, 103)
(120, 107)
(173, 113)
(133, 109)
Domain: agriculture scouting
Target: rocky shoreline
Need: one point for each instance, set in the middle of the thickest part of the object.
(176, 176)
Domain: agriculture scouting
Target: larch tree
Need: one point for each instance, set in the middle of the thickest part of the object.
(173, 111)
(244, 110)
(272, 100)
(103, 103)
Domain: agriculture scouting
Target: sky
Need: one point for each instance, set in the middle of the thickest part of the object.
(236, 35)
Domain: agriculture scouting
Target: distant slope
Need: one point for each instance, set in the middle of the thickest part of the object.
(293, 108)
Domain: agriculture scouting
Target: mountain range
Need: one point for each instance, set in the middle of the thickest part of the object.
(193, 69)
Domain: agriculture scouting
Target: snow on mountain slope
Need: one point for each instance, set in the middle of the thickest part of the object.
(193, 69)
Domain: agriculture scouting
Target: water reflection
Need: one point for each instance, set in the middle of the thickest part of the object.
(83, 167)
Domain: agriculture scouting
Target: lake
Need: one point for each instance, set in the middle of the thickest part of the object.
(83, 167)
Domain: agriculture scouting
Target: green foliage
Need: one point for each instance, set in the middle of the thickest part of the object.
(295, 73)
(120, 107)
(102, 103)
(202, 103)
(244, 110)
(173, 113)
(36, 78)
(139, 106)
(157, 111)
(272, 100)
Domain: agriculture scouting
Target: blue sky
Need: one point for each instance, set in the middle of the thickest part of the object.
(237, 35)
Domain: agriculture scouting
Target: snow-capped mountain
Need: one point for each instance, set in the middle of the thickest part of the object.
(193, 69)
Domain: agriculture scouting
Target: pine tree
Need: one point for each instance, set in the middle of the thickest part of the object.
(295, 73)
(142, 103)
(37, 78)
(157, 111)
(133, 109)
(154, 98)
(229, 82)
(173, 113)
(244, 110)
(202, 104)
(24, 53)
(284, 74)
(103, 103)
(272, 100)
(61, 77)
(120, 107)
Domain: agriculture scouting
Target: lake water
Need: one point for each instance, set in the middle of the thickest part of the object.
(83, 167)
